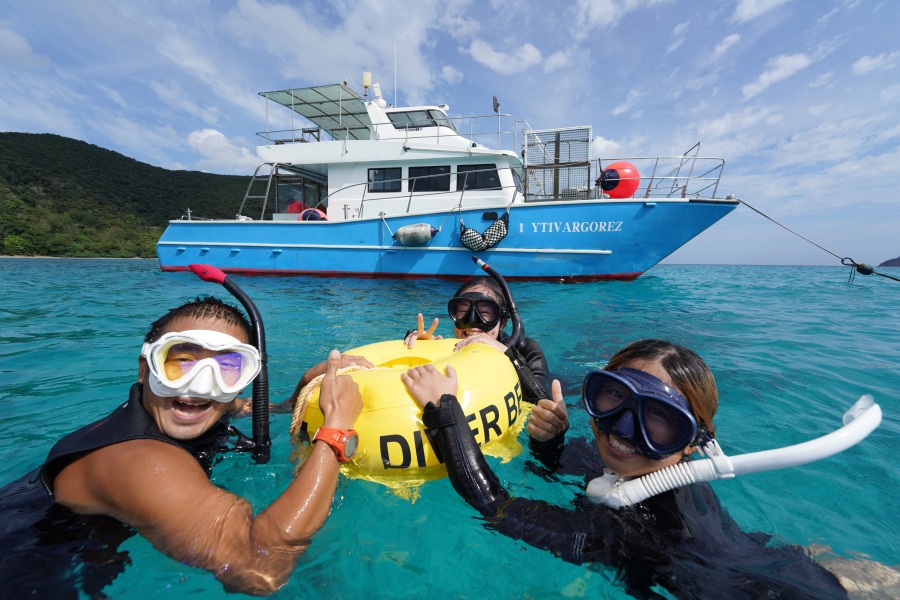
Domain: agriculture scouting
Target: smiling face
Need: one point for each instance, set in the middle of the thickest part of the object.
(620, 456)
(495, 331)
(185, 418)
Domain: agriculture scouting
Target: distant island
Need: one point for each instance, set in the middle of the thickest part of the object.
(894, 262)
(66, 198)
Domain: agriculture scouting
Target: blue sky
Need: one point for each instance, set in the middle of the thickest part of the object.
(801, 97)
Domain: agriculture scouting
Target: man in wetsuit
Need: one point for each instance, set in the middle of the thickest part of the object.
(146, 467)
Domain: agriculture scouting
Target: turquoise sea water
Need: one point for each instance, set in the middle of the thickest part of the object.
(791, 347)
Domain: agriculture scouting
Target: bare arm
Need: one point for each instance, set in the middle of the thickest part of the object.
(162, 491)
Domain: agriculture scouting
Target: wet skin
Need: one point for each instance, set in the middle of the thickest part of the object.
(163, 492)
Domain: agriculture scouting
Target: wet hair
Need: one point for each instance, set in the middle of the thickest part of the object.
(492, 285)
(688, 372)
(201, 308)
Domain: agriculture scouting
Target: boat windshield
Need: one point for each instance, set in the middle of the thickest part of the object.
(413, 119)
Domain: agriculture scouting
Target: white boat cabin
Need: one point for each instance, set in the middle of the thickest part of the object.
(376, 159)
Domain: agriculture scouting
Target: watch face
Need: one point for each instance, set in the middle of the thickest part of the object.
(351, 445)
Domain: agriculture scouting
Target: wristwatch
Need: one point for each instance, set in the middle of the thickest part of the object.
(344, 442)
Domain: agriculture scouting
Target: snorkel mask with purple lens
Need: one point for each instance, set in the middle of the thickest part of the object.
(200, 364)
(641, 410)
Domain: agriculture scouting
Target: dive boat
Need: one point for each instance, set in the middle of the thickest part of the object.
(359, 188)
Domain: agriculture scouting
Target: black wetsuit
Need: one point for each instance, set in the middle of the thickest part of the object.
(529, 356)
(46, 550)
(681, 540)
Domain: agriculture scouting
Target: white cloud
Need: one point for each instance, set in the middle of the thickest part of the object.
(630, 100)
(221, 154)
(113, 95)
(35, 103)
(781, 67)
(821, 80)
(451, 75)
(602, 147)
(200, 64)
(556, 61)
(729, 124)
(503, 62)
(882, 62)
(592, 14)
(16, 52)
(344, 43)
(134, 138)
(723, 46)
(890, 93)
(679, 36)
(174, 96)
(747, 10)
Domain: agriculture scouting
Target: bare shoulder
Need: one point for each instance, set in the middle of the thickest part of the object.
(131, 480)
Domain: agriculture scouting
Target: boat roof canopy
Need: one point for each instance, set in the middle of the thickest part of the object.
(335, 108)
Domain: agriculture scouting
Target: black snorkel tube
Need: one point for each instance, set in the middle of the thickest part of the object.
(517, 337)
(261, 441)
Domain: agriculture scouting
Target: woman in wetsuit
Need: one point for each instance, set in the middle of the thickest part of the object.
(479, 311)
(650, 408)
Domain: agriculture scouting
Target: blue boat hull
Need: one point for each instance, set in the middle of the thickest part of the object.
(570, 241)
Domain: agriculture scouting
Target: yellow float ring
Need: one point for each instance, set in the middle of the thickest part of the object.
(393, 447)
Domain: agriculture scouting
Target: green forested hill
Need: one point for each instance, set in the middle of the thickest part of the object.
(64, 197)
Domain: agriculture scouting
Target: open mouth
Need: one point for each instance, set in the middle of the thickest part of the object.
(619, 447)
(191, 408)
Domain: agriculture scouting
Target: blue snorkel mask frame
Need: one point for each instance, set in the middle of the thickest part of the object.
(641, 410)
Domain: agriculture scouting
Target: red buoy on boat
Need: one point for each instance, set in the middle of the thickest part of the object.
(620, 180)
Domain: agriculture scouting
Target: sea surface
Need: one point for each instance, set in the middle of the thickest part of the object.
(792, 348)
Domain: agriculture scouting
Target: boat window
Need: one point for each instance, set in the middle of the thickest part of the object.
(441, 120)
(477, 177)
(385, 180)
(429, 179)
(517, 181)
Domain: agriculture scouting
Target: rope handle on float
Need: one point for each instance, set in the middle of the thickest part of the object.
(858, 422)
(261, 440)
(301, 403)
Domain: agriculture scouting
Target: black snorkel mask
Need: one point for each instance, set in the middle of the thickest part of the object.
(260, 444)
(474, 310)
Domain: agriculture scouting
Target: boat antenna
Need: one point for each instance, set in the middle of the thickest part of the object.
(517, 337)
(261, 441)
(497, 110)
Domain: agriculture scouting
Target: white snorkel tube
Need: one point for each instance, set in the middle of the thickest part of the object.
(612, 490)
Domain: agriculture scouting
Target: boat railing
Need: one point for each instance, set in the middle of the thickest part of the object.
(685, 176)
(500, 131)
(652, 178)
